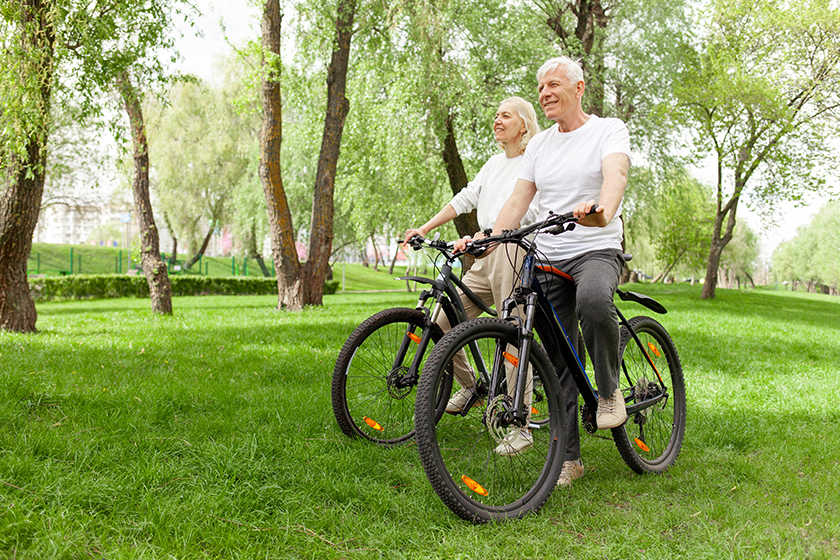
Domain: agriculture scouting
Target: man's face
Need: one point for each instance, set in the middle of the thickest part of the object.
(558, 95)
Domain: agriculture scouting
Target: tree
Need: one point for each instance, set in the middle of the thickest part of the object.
(299, 285)
(154, 268)
(812, 256)
(203, 147)
(29, 63)
(627, 49)
(683, 218)
(739, 258)
(762, 96)
(75, 50)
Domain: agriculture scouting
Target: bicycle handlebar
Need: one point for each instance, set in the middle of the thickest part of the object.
(418, 241)
(555, 224)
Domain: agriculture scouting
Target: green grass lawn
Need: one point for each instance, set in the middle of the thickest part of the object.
(210, 435)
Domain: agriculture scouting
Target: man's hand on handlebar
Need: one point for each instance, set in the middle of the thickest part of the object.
(590, 214)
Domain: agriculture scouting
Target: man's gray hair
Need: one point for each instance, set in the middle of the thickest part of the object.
(573, 70)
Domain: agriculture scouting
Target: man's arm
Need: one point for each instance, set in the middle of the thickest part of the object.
(614, 168)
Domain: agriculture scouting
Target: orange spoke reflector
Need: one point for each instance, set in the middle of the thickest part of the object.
(414, 337)
(642, 445)
(511, 358)
(534, 410)
(373, 424)
(474, 486)
(654, 349)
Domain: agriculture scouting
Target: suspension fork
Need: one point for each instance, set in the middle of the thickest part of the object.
(413, 374)
(525, 333)
(526, 338)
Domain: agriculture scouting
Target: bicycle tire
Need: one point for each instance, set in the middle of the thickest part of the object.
(458, 451)
(650, 440)
(366, 402)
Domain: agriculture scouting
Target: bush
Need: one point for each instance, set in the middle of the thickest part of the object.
(331, 286)
(102, 286)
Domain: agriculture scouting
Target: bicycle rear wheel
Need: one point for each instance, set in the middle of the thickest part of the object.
(651, 438)
(373, 391)
(458, 452)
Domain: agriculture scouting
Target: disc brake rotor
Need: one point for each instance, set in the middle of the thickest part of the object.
(496, 410)
(396, 388)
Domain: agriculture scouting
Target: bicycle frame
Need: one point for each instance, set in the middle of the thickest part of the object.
(443, 291)
(540, 316)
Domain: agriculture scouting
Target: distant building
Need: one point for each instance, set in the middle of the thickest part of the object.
(86, 224)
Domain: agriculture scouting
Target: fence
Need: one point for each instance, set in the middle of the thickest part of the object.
(63, 260)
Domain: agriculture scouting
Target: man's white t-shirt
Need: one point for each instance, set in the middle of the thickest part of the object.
(566, 168)
(490, 190)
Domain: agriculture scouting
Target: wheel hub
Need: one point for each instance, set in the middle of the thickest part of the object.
(497, 417)
(398, 385)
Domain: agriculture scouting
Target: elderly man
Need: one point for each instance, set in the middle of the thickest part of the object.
(578, 162)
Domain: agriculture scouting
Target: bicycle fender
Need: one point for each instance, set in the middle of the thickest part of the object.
(642, 299)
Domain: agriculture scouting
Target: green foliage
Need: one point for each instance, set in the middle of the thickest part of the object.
(760, 93)
(685, 217)
(759, 96)
(812, 256)
(201, 155)
(84, 286)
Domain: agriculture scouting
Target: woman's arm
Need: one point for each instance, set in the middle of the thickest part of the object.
(446, 213)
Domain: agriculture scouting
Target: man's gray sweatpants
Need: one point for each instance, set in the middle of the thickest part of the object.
(587, 302)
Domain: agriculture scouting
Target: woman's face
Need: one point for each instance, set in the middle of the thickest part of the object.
(508, 127)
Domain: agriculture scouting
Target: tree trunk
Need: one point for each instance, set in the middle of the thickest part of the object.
(710, 283)
(200, 253)
(720, 237)
(375, 253)
(393, 262)
(160, 288)
(173, 258)
(465, 224)
(253, 253)
(626, 275)
(284, 253)
(23, 173)
(321, 226)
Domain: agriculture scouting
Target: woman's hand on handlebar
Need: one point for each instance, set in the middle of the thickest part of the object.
(411, 233)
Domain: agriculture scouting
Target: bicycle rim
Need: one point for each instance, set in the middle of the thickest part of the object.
(650, 440)
(458, 452)
(369, 399)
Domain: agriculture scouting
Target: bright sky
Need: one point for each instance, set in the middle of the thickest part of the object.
(241, 21)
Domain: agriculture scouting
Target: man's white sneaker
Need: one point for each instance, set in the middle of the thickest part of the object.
(516, 441)
(611, 411)
(460, 399)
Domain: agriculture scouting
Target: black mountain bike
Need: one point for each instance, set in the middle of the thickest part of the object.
(459, 452)
(374, 380)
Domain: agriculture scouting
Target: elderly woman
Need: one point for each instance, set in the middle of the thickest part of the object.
(490, 278)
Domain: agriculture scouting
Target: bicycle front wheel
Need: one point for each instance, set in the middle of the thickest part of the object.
(373, 385)
(465, 456)
(651, 374)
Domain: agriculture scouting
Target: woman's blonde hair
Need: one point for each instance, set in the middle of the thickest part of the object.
(526, 112)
